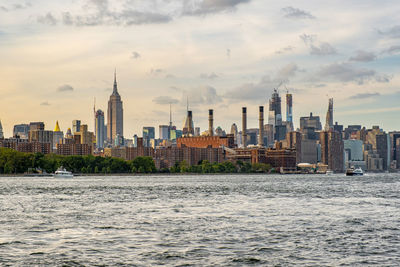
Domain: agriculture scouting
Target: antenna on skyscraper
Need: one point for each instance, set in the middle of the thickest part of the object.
(187, 103)
(279, 85)
(94, 114)
(170, 114)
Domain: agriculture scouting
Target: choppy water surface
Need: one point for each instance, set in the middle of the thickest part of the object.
(232, 220)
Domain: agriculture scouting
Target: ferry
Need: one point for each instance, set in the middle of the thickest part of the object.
(354, 172)
(63, 173)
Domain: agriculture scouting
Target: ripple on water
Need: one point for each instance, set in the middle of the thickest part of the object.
(233, 220)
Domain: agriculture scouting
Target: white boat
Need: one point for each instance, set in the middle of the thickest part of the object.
(63, 173)
(329, 172)
(354, 172)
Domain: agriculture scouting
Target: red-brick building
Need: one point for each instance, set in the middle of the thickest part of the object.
(206, 141)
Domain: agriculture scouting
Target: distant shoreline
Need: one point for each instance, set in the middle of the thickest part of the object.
(167, 174)
(133, 174)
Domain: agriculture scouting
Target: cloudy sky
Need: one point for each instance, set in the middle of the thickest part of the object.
(57, 56)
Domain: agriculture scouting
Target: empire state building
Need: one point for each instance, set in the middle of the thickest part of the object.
(115, 115)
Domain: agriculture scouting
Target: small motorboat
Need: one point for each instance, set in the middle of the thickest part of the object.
(354, 172)
(63, 173)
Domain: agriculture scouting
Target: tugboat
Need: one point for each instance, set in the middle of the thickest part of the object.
(63, 173)
(354, 172)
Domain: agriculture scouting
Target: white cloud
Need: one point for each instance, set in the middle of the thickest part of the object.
(345, 72)
(363, 56)
(164, 100)
(296, 13)
(65, 88)
(201, 95)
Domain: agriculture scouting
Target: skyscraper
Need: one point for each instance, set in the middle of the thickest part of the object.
(329, 116)
(148, 133)
(99, 129)
(382, 149)
(163, 132)
(36, 126)
(115, 115)
(1, 131)
(332, 153)
(275, 114)
(21, 130)
(234, 131)
(76, 126)
(261, 126)
(188, 127)
(309, 126)
(289, 110)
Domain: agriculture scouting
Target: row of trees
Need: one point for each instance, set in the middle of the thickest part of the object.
(224, 167)
(12, 161)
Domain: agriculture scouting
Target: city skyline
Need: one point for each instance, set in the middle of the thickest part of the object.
(56, 59)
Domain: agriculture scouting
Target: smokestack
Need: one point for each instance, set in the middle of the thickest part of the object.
(244, 126)
(210, 122)
(190, 127)
(261, 126)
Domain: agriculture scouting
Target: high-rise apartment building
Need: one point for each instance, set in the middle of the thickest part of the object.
(76, 126)
(148, 134)
(84, 136)
(382, 149)
(21, 130)
(234, 131)
(293, 141)
(164, 132)
(394, 136)
(332, 150)
(99, 129)
(115, 115)
(351, 131)
(36, 126)
(338, 128)
(268, 135)
(41, 136)
(309, 126)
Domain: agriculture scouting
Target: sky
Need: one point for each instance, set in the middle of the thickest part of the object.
(58, 57)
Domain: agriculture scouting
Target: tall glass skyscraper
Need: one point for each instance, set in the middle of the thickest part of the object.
(99, 128)
(289, 110)
(148, 133)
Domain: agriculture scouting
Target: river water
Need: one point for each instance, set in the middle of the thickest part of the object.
(232, 220)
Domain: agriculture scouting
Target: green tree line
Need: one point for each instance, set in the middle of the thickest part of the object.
(224, 167)
(14, 162)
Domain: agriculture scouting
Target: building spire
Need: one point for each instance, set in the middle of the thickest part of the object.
(57, 128)
(170, 114)
(115, 89)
